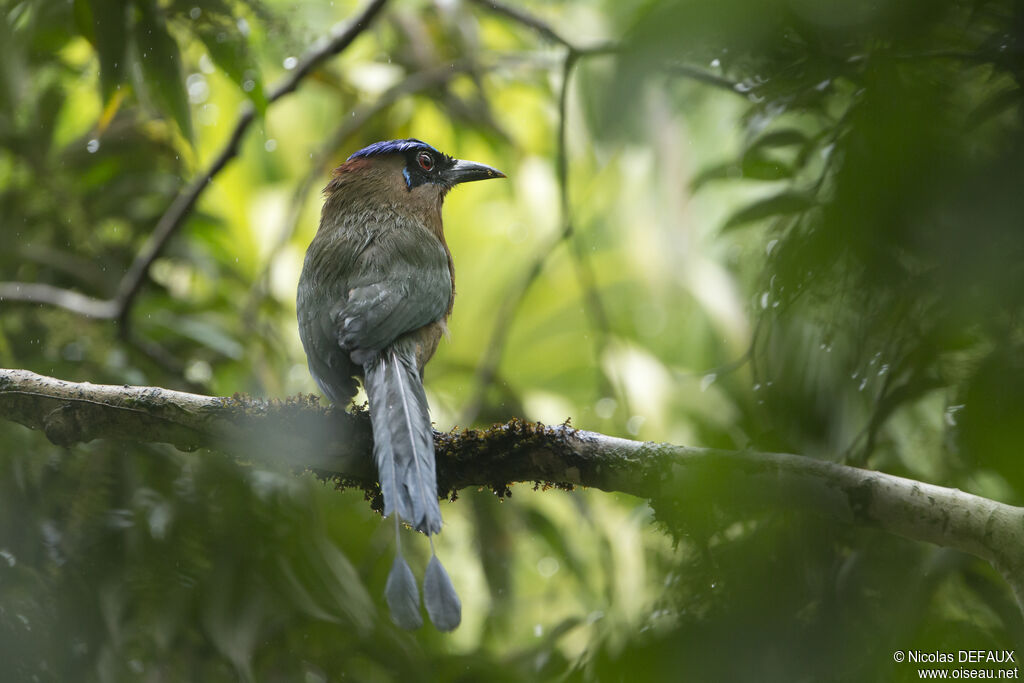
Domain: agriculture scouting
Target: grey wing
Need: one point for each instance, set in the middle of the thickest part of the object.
(329, 364)
(324, 278)
(403, 284)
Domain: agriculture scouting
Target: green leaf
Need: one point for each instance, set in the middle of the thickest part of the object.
(84, 20)
(109, 35)
(206, 331)
(762, 167)
(544, 529)
(299, 596)
(785, 137)
(729, 169)
(230, 51)
(993, 106)
(161, 66)
(343, 583)
(759, 164)
(50, 102)
(782, 204)
(752, 167)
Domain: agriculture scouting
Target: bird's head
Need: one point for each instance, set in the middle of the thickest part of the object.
(422, 164)
(410, 167)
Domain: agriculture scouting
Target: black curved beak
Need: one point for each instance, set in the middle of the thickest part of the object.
(467, 171)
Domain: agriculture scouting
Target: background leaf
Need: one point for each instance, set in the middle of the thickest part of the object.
(782, 204)
(110, 35)
(230, 51)
(161, 66)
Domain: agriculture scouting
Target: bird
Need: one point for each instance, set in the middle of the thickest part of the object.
(375, 293)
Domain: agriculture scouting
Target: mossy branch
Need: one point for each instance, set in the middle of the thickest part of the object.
(300, 433)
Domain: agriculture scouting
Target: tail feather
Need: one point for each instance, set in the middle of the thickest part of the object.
(403, 441)
(443, 605)
(403, 447)
(402, 595)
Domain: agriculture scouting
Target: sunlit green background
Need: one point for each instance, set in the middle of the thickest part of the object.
(789, 225)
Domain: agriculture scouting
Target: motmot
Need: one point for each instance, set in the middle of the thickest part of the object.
(376, 291)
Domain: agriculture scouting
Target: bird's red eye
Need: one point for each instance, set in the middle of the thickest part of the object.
(425, 160)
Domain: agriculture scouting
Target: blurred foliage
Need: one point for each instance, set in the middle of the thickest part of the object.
(796, 227)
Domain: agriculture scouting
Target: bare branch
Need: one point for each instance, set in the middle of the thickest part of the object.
(38, 293)
(299, 433)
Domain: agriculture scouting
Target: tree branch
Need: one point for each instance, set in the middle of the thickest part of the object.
(40, 293)
(300, 433)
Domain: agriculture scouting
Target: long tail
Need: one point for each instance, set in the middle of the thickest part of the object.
(403, 442)
(403, 448)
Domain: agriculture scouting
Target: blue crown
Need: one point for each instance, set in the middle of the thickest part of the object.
(391, 147)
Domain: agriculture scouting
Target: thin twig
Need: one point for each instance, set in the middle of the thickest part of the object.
(729, 366)
(562, 148)
(707, 78)
(526, 19)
